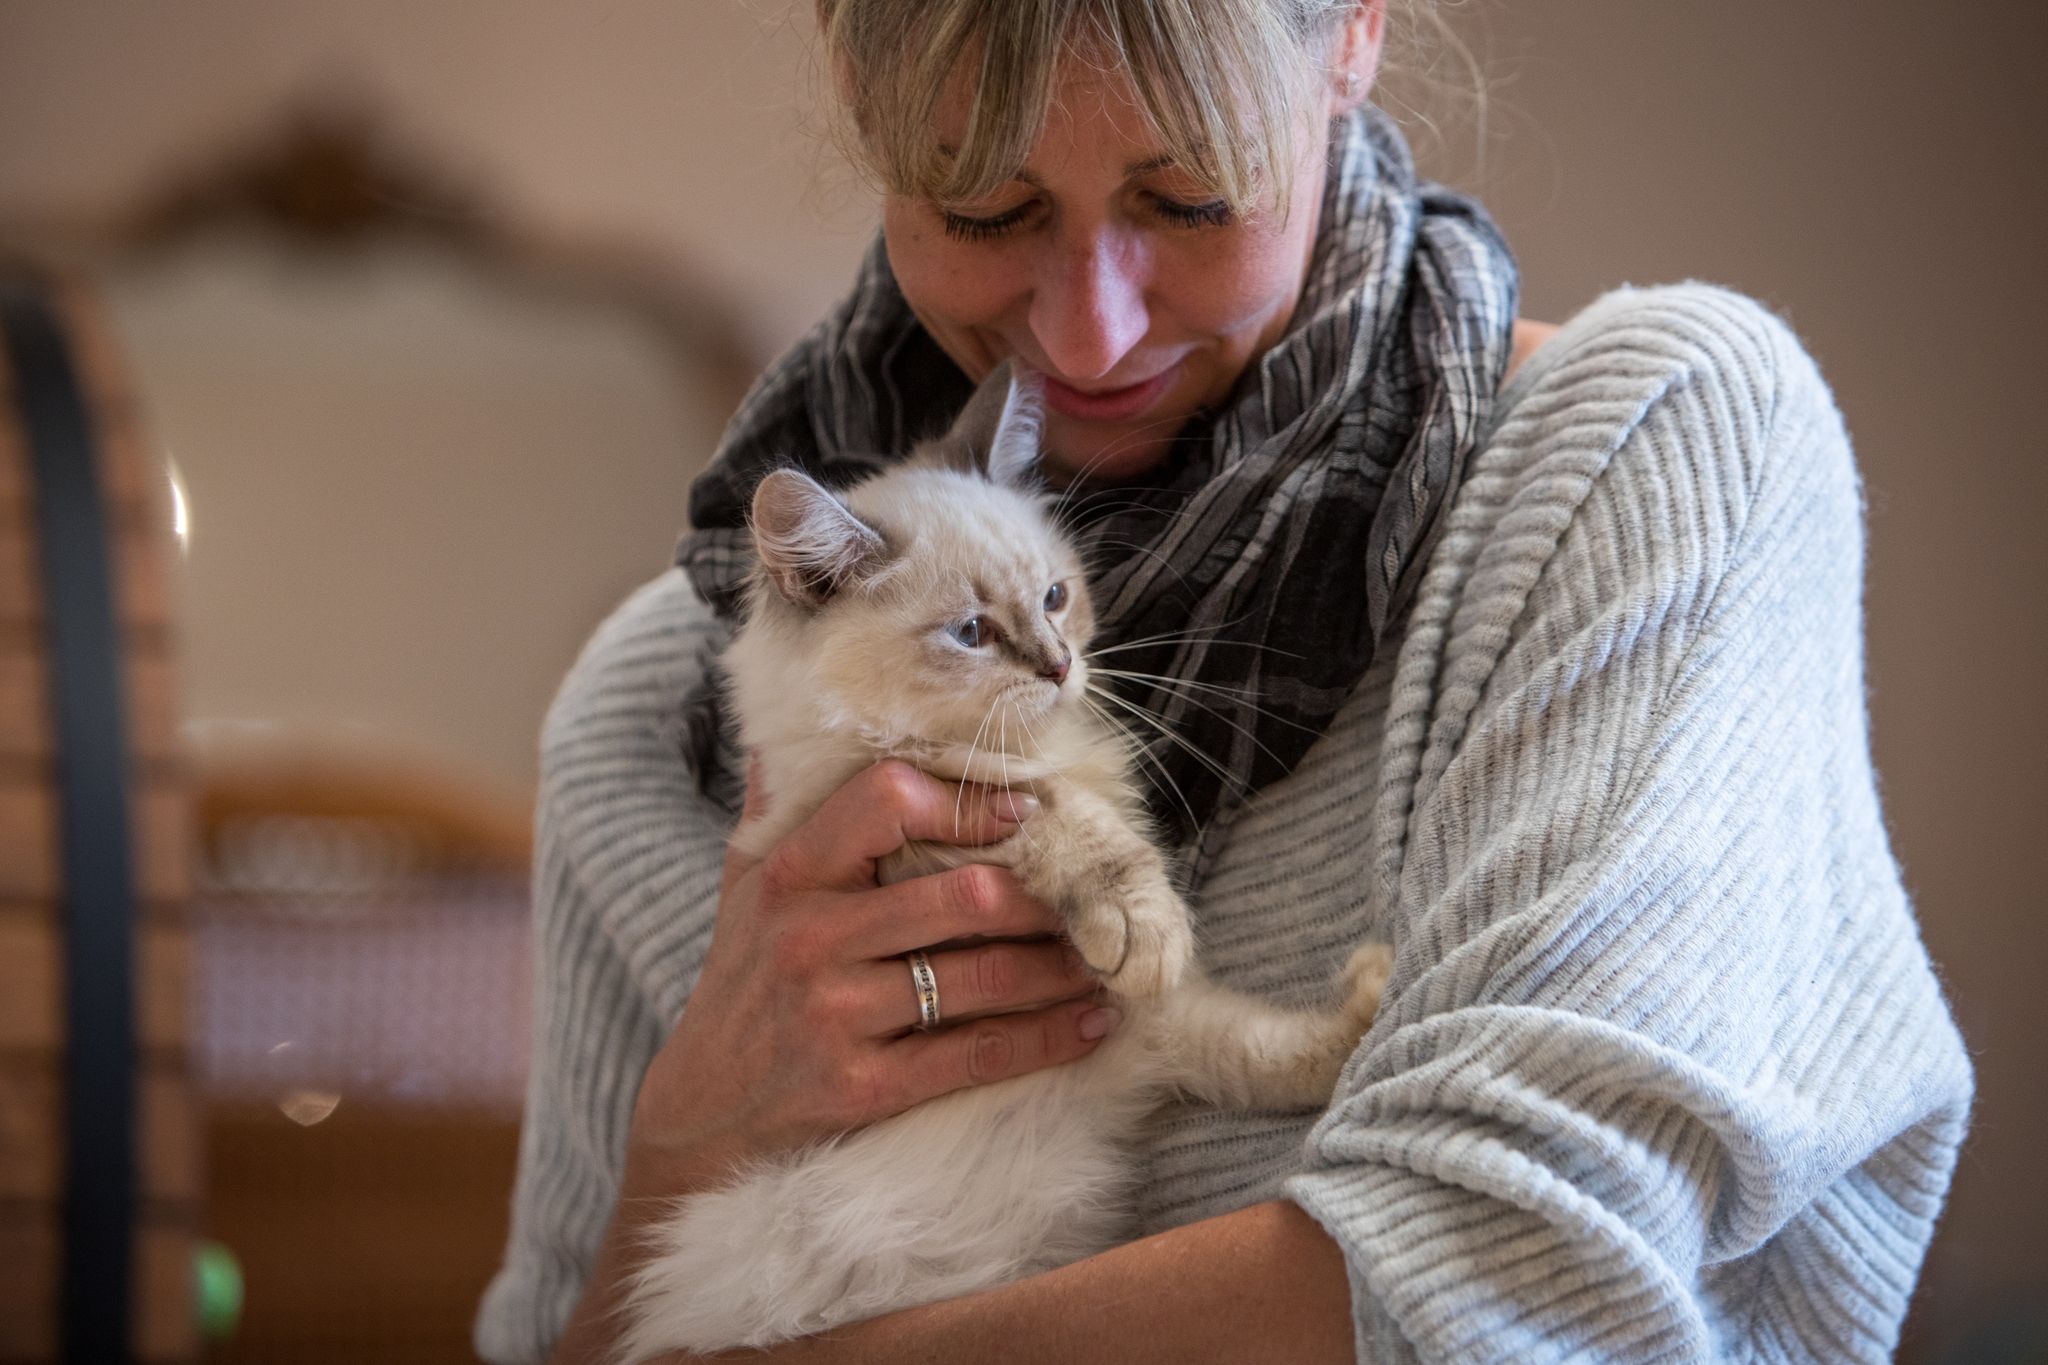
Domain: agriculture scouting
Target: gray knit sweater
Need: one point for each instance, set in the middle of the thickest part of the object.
(1663, 1072)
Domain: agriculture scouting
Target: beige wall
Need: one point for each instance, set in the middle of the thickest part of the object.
(1871, 170)
(678, 121)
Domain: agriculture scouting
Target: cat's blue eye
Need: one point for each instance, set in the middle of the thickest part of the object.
(1055, 597)
(975, 632)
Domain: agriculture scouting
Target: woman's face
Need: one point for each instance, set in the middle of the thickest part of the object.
(1136, 292)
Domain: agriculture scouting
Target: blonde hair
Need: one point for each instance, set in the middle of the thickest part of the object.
(1221, 82)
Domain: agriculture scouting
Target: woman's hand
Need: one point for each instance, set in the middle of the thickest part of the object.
(800, 1024)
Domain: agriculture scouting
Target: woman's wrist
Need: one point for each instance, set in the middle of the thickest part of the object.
(654, 1176)
(658, 1170)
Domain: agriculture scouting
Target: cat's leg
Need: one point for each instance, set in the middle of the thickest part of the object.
(1242, 1053)
(1112, 888)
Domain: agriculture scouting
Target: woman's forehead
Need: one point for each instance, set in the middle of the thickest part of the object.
(1094, 123)
(952, 100)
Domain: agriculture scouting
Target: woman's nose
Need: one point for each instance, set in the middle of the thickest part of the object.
(1088, 306)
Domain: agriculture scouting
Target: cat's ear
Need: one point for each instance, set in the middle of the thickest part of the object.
(998, 433)
(809, 545)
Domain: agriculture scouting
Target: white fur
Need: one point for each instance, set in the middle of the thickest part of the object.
(964, 1192)
(988, 1184)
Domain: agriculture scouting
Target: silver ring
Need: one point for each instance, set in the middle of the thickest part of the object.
(927, 984)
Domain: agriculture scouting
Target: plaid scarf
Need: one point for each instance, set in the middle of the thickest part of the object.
(1265, 561)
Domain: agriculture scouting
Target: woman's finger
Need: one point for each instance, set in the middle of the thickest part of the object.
(997, 1048)
(757, 789)
(994, 978)
(737, 864)
(975, 901)
(882, 808)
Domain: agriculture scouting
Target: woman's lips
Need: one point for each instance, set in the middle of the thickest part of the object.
(1108, 405)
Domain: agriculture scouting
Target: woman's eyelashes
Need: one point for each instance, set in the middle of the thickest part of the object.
(963, 227)
(1215, 213)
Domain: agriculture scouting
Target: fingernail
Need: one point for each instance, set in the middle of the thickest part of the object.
(1013, 806)
(1097, 1023)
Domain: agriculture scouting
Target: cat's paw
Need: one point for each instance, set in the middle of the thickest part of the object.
(1364, 981)
(1141, 948)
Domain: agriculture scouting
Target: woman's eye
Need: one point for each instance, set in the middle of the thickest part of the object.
(975, 632)
(1215, 213)
(961, 228)
(1055, 597)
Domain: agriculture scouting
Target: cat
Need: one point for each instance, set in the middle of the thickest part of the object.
(935, 613)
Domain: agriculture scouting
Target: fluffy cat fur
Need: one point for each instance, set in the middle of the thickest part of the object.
(852, 651)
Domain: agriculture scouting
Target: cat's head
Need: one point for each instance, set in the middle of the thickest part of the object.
(936, 600)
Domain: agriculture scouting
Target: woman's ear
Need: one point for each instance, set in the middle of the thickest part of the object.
(1355, 63)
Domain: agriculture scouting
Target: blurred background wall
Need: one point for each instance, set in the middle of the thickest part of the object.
(418, 476)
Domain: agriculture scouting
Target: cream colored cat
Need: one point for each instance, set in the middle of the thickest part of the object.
(934, 613)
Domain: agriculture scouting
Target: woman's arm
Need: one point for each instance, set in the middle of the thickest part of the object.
(1664, 1072)
(626, 872)
(1263, 1283)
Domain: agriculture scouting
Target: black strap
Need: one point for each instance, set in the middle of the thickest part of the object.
(98, 887)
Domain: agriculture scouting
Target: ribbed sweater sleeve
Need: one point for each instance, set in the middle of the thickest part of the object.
(627, 861)
(1664, 1072)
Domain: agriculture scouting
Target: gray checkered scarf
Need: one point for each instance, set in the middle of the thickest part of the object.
(1266, 560)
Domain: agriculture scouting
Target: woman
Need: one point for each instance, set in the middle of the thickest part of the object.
(1560, 690)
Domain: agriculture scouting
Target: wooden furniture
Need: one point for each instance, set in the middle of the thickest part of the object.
(99, 1158)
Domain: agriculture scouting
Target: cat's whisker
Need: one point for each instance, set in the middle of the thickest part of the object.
(1223, 774)
(1146, 550)
(1037, 753)
(967, 771)
(1263, 747)
(1105, 502)
(1078, 482)
(1178, 682)
(1208, 762)
(1095, 509)
(1003, 748)
(1167, 780)
(1185, 637)
(1079, 479)
(1218, 698)
(1238, 696)
(1192, 632)
(1138, 748)
(1143, 751)
(1113, 449)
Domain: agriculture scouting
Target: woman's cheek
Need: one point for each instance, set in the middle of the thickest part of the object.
(957, 292)
(1229, 288)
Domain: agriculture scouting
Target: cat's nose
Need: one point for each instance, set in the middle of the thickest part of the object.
(1055, 670)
